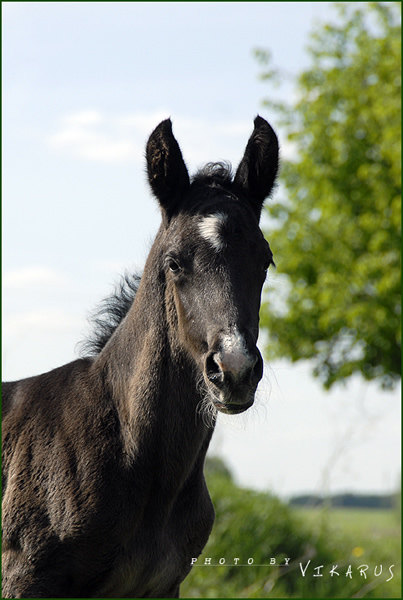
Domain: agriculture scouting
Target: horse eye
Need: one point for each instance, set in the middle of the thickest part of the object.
(173, 265)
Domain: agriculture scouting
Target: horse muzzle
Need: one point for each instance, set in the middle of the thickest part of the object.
(232, 373)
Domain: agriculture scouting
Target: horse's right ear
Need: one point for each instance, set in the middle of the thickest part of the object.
(167, 172)
(257, 170)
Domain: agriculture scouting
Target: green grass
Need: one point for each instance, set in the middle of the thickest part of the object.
(363, 521)
(364, 528)
(252, 524)
(362, 525)
(373, 536)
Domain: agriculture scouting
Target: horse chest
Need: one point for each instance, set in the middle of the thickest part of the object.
(143, 572)
(153, 562)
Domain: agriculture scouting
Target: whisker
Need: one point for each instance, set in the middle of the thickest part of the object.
(205, 407)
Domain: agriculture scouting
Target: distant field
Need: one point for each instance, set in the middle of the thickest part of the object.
(372, 535)
(361, 525)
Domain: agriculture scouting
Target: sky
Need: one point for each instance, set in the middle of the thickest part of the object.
(84, 84)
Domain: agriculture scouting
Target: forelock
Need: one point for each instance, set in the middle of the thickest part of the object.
(219, 173)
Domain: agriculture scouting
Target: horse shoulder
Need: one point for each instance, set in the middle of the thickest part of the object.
(53, 444)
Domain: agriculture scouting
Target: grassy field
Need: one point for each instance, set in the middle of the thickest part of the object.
(349, 538)
(371, 535)
(262, 531)
(365, 523)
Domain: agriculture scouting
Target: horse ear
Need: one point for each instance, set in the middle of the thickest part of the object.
(166, 169)
(257, 170)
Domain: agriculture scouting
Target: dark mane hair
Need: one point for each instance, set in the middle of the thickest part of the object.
(214, 172)
(110, 313)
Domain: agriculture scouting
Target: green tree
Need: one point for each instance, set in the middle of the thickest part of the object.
(336, 233)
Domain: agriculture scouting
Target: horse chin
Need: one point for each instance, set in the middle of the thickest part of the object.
(232, 409)
(232, 406)
(230, 400)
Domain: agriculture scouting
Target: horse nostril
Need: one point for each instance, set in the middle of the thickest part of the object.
(213, 370)
(257, 370)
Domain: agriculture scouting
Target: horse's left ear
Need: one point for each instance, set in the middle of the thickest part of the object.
(258, 168)
(167, 172)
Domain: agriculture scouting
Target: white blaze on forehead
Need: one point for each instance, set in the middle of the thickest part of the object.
(209, 228)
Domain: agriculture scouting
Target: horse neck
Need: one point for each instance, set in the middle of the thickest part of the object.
(153, 382)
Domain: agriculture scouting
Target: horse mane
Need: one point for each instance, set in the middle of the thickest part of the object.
(110, 313)
(214, 172)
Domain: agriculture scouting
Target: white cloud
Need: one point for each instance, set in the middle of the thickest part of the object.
(84, 118)
(42, 320)
(91, 135)
(94, 136)
(141, 123)
(111, 138)
(32, 276)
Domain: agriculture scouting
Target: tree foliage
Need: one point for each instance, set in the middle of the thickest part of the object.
(336, 234)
